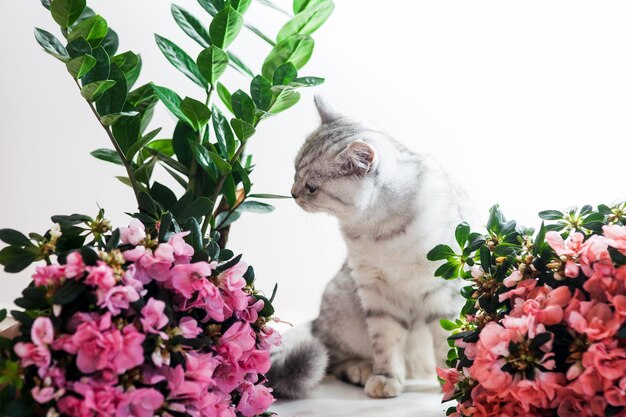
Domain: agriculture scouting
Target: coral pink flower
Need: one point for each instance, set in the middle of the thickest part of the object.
(451, 377)
(567, 249)
(544, 303)
(153, 317)
(134, 234)
(596, 320)
(540, 392)
(571, 404)
(74, 265)
(141, 402)
(616, 237)
(255, 399)
(607, 359)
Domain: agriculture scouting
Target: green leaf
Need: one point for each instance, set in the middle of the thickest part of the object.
(208, 6)
(199, 208)
(196, 112)
(226, 218)
(256, 207)
(448, 325)
(551, 215)
(300, 5)
(284, 74)
(180, 60)
(79, 66)
(66, 12)
(126, 61)
(223, 133)
(93, 30)
(307, 21)
(236, 63)
(240, 5)
(94, 91)
(183, 133)
(229, 190)
(78, 47)
(224, 96)
(285, 99)
(108, 155)
(206, 158)
(448, 270)
(296, 49)
(261, 91)
(51, 44)
(439, 253)
(212, 63)
(111, 118)
(169, 161)
(225, 27)
(16, 259)
(242, 129)
(306, 82)
(485, 258)
(113, 99)
(462, 233)
(162, 195)
(136, 147)
(172, 101)
(102, 70)
(46, 4)
(191, 26)
(68, 292)
(260, 34)
(243, 106)
(13, 237)
(111, 42)
(127, 130)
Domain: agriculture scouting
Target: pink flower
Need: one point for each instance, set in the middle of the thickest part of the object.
(200, 367)
(188, 279)
(255, 361)
(49, 275)
(141, 402)
(119, 298)
(189, 327)
(130, 354)
(239, 338)
(544, 303)
(100, 276)
(42, 332)
(43, 395)
(74, 265)
(567, 250)
(153, 317)
(255, 399)
(182, 250)
(32, 354)
(134, 234)
(74, 407)
(157, 265)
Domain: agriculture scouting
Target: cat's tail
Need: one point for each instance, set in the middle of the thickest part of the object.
(298, 365)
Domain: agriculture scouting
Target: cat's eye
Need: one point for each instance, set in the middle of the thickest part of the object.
(311, 189)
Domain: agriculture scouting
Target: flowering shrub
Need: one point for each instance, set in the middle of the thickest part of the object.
(132, 325)
(543, 332)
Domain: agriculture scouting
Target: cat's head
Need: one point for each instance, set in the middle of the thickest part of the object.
(336, 166)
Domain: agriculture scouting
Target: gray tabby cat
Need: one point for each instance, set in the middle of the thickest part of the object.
(379, 318)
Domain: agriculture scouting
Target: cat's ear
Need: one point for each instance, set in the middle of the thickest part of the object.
(327, 111)
(358, 158)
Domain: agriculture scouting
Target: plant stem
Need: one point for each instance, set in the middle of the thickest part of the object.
(126, 162)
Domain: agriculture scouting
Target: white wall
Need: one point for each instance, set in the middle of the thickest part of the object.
(524, 101)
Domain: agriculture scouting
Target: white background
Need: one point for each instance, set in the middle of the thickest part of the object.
(523, 101)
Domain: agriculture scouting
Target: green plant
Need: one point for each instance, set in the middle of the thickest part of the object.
(206, 152)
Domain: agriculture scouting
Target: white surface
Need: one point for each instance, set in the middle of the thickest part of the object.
(338, 399)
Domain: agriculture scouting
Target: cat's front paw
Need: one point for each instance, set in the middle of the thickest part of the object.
(383, 386)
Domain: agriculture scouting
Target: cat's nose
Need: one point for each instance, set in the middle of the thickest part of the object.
(294, 195)
(293, 192)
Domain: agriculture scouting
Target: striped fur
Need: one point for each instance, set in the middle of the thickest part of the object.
(379, 317)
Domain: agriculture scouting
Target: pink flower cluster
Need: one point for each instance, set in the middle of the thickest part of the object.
(164, 336)
(557, 350)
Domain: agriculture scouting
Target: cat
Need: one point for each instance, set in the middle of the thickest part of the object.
(379, 317)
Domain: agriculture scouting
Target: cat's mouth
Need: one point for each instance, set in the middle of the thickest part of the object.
(306, 206)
